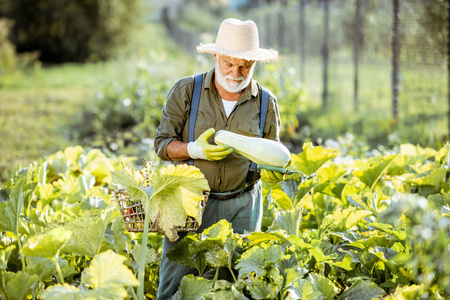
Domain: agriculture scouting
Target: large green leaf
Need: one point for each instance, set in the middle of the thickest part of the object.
(131, 185)
(321, 287)
(178, 193)
(372, 174)
(106, 275)
(87, 233)
(19, 287)
(430, 183)
(257, 238)
(288, 220)
(312, 158)
(11, 210)
(45, 268)
(345, 219)
(107, 270)
(194, 287)
(411, 292)
(281, 199)
(189, 253)
(66, 292)
(257, 258)
(47, 245)
(304, 188)
(362, 290)
(216, 245)
(261, 289)
(224, 290)
(150, 254)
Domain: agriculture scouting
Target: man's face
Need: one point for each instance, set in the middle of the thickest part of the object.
(233, 74)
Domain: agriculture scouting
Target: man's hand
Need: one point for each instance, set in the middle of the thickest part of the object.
(272, 176)
(202, 149)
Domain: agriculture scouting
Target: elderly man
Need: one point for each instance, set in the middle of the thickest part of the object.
(227, 98)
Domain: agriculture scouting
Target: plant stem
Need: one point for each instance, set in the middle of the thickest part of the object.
(216, 276)
(141, 270)
(22, 257)
(133, 293)
(58, 269)
(316, 211)
(232, 274)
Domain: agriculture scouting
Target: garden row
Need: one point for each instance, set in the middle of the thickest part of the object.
(351, 227)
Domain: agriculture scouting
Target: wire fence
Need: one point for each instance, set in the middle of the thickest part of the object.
(343, 51)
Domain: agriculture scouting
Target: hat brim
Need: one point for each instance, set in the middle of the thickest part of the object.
(262, 55)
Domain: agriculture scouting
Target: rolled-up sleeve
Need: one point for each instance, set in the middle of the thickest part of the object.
(174, 116)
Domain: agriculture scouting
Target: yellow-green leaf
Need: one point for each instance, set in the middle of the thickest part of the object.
(312, 158)
(178, 193)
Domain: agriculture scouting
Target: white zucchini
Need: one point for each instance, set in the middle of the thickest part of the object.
(259, 150)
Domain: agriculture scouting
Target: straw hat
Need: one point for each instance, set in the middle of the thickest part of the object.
(239, 39)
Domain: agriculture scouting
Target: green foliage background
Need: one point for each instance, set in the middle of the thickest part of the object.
(64, 31)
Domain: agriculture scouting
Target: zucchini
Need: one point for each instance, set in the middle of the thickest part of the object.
(259, 150)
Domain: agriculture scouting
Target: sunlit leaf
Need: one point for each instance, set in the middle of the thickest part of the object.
(108, 271)
(305, 187)
(132, 187)
(87, 233)
(345, 219)
(288, 220)
(312, 158)
(345, 263)
(47, 245)
(372, 174)
(321, 287)
(333, 172)
(66, 292)
(411, 292)
(150, 254)
(281, 199)
(257, 238)
(178, 193)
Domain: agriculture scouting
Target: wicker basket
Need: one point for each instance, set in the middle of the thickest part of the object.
(134, 215)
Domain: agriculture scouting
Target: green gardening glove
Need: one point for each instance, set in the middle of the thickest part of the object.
(202, 149)
(272, 176)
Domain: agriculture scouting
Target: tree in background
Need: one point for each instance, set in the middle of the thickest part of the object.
(70, 30)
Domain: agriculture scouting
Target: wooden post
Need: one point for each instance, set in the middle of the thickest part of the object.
(281, 29)
(325, 53)
(395, 61)
(448, 62)
(302, 25)
(356, 54)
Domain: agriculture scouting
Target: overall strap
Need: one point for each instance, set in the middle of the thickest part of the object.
(194, 109)
(262, 122)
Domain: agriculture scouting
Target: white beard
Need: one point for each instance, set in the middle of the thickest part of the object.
(233, 87)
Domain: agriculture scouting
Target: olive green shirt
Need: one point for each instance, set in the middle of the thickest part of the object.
(230, 173)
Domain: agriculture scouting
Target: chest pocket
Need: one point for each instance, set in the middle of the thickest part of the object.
(204, 123)
(248, 128)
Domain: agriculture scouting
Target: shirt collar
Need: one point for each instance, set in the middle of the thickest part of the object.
(250, 91)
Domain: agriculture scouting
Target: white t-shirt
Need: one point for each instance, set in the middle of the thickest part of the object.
(228, 105)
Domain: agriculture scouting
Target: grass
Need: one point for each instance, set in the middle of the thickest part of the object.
(39, 105)
(423, 103)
